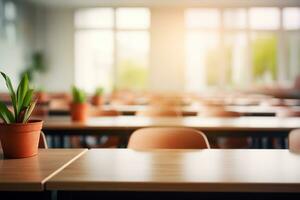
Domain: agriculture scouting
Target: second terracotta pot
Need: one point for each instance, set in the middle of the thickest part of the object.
(79, 112)
(96, 100)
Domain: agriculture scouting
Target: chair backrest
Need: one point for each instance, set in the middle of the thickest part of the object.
(294, 140)
(104, 113)
(43, 141)
(168, 138)
(286, 112)
(217, 112)
(159, 112)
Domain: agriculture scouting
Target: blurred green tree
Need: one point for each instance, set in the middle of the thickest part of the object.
(131, 76)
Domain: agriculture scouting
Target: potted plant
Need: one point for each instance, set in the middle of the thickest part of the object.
(79, 106)
(97, 97)
(18, 134)
(41, 95)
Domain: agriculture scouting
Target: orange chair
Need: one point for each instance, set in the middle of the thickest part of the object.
(294, 140)
(168, 138)
(218, 112)
(159, 112)
(287, 112)
(103, 113)
(228, 143)
(43, 141)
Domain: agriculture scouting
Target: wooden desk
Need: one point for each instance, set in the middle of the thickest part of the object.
(30, 174)
(186, 110)
(181, 170)
(130, 123)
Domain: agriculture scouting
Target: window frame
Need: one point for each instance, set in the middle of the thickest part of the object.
(115, 30)
(282, 64)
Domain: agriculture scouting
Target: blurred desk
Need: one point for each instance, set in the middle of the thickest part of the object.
(123, 126)
(186, 110)
(205, 173)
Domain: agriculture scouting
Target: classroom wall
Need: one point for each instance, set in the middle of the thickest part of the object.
(167, 50)
(55, 38)
(15, 55)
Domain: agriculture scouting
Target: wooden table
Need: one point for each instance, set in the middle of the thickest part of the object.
(255, 171)
(187, 110)
(30, 174)
(123, 126)
(135, 122)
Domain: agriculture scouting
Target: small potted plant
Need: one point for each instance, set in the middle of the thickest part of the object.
(41, 95)
(97, 97)
(18, 134)
(79, 105)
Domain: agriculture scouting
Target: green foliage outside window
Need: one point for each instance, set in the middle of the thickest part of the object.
(264, 57)
(131, 76)
(215, 70)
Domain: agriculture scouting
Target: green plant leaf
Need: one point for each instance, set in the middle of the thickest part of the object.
(28, 98)
(21, 93)
(79, 96)
(5, 114)
(12, 93)
(28, 111)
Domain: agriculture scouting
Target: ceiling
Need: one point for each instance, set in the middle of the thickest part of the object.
(150, 3)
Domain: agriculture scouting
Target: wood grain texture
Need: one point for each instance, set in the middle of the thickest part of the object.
(181, 170)
(201, 123)
(30, 174)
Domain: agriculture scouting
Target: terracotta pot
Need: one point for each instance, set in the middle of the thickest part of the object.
(20, 140)
(79, 112)
(96, 100)
(42, 96)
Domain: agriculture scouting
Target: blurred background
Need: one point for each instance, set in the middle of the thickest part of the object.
(152, 45)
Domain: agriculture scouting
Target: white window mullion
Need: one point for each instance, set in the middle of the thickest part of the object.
(249, 77)
(222, 61)
(115, 52)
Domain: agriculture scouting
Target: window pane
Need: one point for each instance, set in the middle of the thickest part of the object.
(133, 51)
(235, 18)
(236, 58)
(294, 55)
(202, 18)
(133, 18)
(264, 18)
(93, 59)
(10, 11)
(202, 59)
(94, 18)
(264, 57)
(291, 18)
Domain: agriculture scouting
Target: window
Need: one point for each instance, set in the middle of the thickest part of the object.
(9, 21)
(112, 48)
(240, 47)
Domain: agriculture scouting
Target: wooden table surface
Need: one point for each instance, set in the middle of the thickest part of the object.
(192, 110)
(30, 174)
(181, 170)
(213, 123)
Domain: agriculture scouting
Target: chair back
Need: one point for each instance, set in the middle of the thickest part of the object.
(159, 112)
(294, 140)
(168, 138)
(43, 141)
(217, 112)
(104, 113)
(286, 112)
